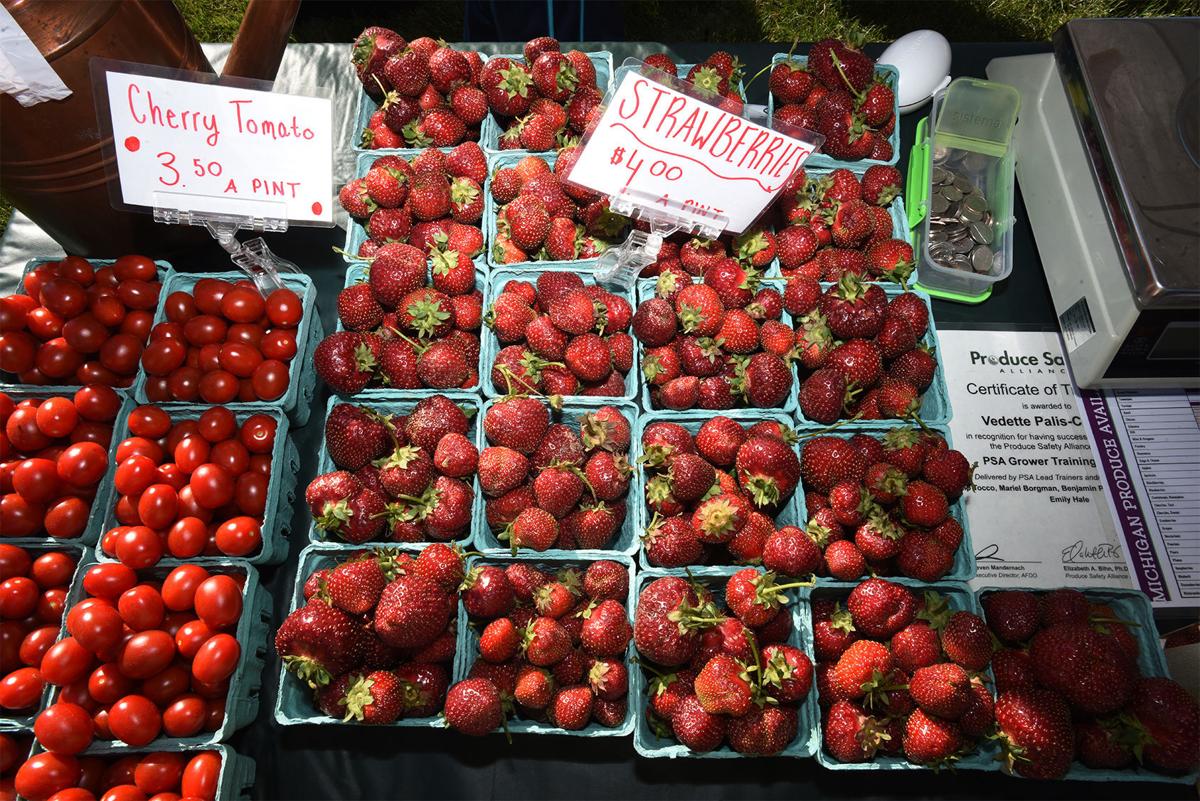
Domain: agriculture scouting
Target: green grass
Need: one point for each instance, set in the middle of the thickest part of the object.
(709, 20)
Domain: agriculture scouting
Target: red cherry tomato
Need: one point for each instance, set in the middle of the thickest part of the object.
(209, 358)
(108, 309)
(216, 424)
(66, 661)
(184, 717)
(13, 309)
(188, 536)
(141, 608)
(121, 352)
(57, 359)
(208, 293)
(159, 772)
(158, 506)
(271, 379)
(163, 356)
(36, 480)
(64, 297)
(191, 453)
(258, 433)
(168, 684)
(108, 580)
(18, 597)
(212, 485)
(149, 421)
(44, 324)
(135, 268)
(249, 334)
(218, 386)
(35, 645)
(82, 464)
(179, 587)
(67, 518)
(239, 536)
(139, 445)
(190, 637)
(95, 624)
(205, 329)
(201, 775)
(239, 359)
(139, 547)
(217, 658)
(18, 351)
(188, 506)
(107, 684)
(85, 333)
(232, 455)
(78, 269)
(23, 431)
(135, 474)
(50, 606)
(146, 653)
(97, 403)
(218, 601)
(21, 689)
(242, 305)
(137, 323)
(14, 561)
(123, 792)
(120, 771)
(141, 295)
(279, 343)
(250, 493)
(172, 476)
(179, 307)
(214, 714)
(52, 569)
(64, 728)
(87, 431)
(284, 308)
(56, 417)
(18, 517)
(45, 774)
(135, 720)
(183, 383)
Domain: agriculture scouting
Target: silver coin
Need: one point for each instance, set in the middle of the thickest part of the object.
(962, 246)
(938, 175)
(938, 204)
(981, 259)
(940, 154)
(952, 210)
(936, 234)
(952, 192)
(981, 233)
(963, 185)
(975, 162)
(968, 215)
(976, 203)
(939, 250)
(961, 262)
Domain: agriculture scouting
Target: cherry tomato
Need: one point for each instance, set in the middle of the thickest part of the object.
(216, 659)
(126, 513)
(159, 772)
(284, 308)
(135, 719)
(249, 334)
(271, 379)
(146, 653)
(250, 493)
(52, 569)
(188, 536)
(121, 352)
(64, 297)
(141, 608)
(87, 431)
(108, 309)
(14, 561)
(217, 423)
(108, 580)
(209, 358)
(157, 389)
(168, 684)
(135, 268)
(184, 717)
(258, 433)
(44, 324)
(18, 351)
(171, 475)
(77, 693)
(57, 359)
(97, 403)
(218, 601)
(107, 684)
(18, 597)
(36, 643)
(10, 753)
(135, 474)
(176, 620)
(279, 343)
(64, 728)
(179, 307)
(50, 606)
(158, 506)
(208, 293)
(47, 773)
(120, 771)
(141, 295)
(66, 661)
(214, 714)
(239, 359)
(85, 333)
(21, 689)
(239, 536)
(56, 417)
(123, 792)
(218, 386)
(67, 518)
(232, 455)
(140, 445)
(246, 391)
(139, 547)
(201, 775)
(22, 429)
(190, 637)
(212, 485)
(11, 634)
(36, 480)
(149, 421)
(205, 329)
(13, 309)
(137, 323)
(242, 305)
(179, 587)
(18, 517)
(183, 383)
(82, 464)
(191, 453)
(163, 356)
(95, 624)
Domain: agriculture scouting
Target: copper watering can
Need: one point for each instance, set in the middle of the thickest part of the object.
(52, 162)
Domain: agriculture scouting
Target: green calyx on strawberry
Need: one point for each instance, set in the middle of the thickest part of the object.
(707, 79)
(818, 533)
(334, 515)
(415, 136)
(841, 619)
(666, 285)
(691, 617)
(876, 689)
(427, 315)
(516, 80)
(937, 610)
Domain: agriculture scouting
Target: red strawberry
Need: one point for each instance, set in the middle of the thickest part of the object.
(791, 552)
(965, 640)
(850, 734)
(878, 106)
(823, 395)
(1012, 615)
(344, 361)
(723, 687)
(318, 642)
(881, 184)
(930, 740)
(765, 731)
(473, 707)
(891, 259)
(1170, 717)
(942, 690)
(861, 669)
(1036, 729)
(881, 608)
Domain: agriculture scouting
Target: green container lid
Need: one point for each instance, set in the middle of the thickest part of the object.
(978, 115)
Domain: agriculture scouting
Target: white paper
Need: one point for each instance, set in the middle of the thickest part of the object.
(1148, 443)
(24, 72)
(668, 149)
(210, 148)
(1038, 514)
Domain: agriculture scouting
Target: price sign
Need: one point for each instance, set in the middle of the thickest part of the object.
(671, 149)
(221, 149)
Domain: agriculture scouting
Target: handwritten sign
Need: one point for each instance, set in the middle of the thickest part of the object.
(220, 149)
(674, 150)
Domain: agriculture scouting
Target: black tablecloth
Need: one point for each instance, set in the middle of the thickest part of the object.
(359, 762)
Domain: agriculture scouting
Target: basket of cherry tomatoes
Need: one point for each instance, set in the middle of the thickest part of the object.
(217, 340)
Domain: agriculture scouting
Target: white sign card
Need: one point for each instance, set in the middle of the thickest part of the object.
(670, 149)
(205, 147)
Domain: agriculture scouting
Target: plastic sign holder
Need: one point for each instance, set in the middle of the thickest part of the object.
(226, 154)
(677, 158)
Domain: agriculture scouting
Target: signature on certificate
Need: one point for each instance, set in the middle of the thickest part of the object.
(1078, 552)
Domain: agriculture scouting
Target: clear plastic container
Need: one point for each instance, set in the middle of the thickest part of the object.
(962, 174)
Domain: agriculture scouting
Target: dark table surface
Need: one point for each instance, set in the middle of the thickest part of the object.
(348, 762)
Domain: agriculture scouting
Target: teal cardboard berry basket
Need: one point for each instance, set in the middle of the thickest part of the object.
(682, 69)
(294, 704)
(358, 272)
(8, 382)
(649, 744)
(16, 720)
(281, 487)
(645, 291)
(392, 403)
(889, 75)
(102, 500)
(297, 400)
(964, 567)
(1131, 605)
(959, 597)
(489, 136)
(367, 107)
(626, 540)
(935, 401)
(790, 513)
(245, 684)
(491, 345)
(468, 635)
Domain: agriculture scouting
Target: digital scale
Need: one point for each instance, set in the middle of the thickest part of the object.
(1109, 167)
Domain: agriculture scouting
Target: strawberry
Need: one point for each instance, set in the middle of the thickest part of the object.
(878, 106)
(800, 296)
(700, 309)
(723, 687)
(412, 611)
(573, 313)
(838, 64)
(823, 395)
(852, 224)
(966, 641)
(345, 361)
(929, 740)
(881, 608)
(354, 436)
(386, 185)
(949, 471)
(678, 393)
(1170, 718)
(533, 528)
(898, 398)
(661, 61)
(843, 560)
(861, 669)
(473, 707)
(718, 440)
(825, 461)
(695, 727)
(913, 309)
(1035, 730)
(606, 579)
(766, 380)
(767, 469)
(545, 642)
(790, 82)
(355, 586)
(1013, 615)
(881, 184)
(740, 334)
(606, 629)
(791, 552)
(942, 690)
(891, 259)
(318, 642)
(765, 731)
(923, 504)
(850, 734)
(672, 543)
(755, 248)
(376, 698)
(519, 423)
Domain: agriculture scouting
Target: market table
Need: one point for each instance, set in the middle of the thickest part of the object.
(347, 762)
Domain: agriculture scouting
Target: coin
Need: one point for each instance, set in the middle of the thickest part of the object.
(938, 204)
(974, 162)
(952, 192)
(936, 234)
(938, 175)
(963, 185)
(981, 233)
(940, 154)
(981, 259)
(962, 246)
(952, 209)
(977, 203)
(961, 262)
